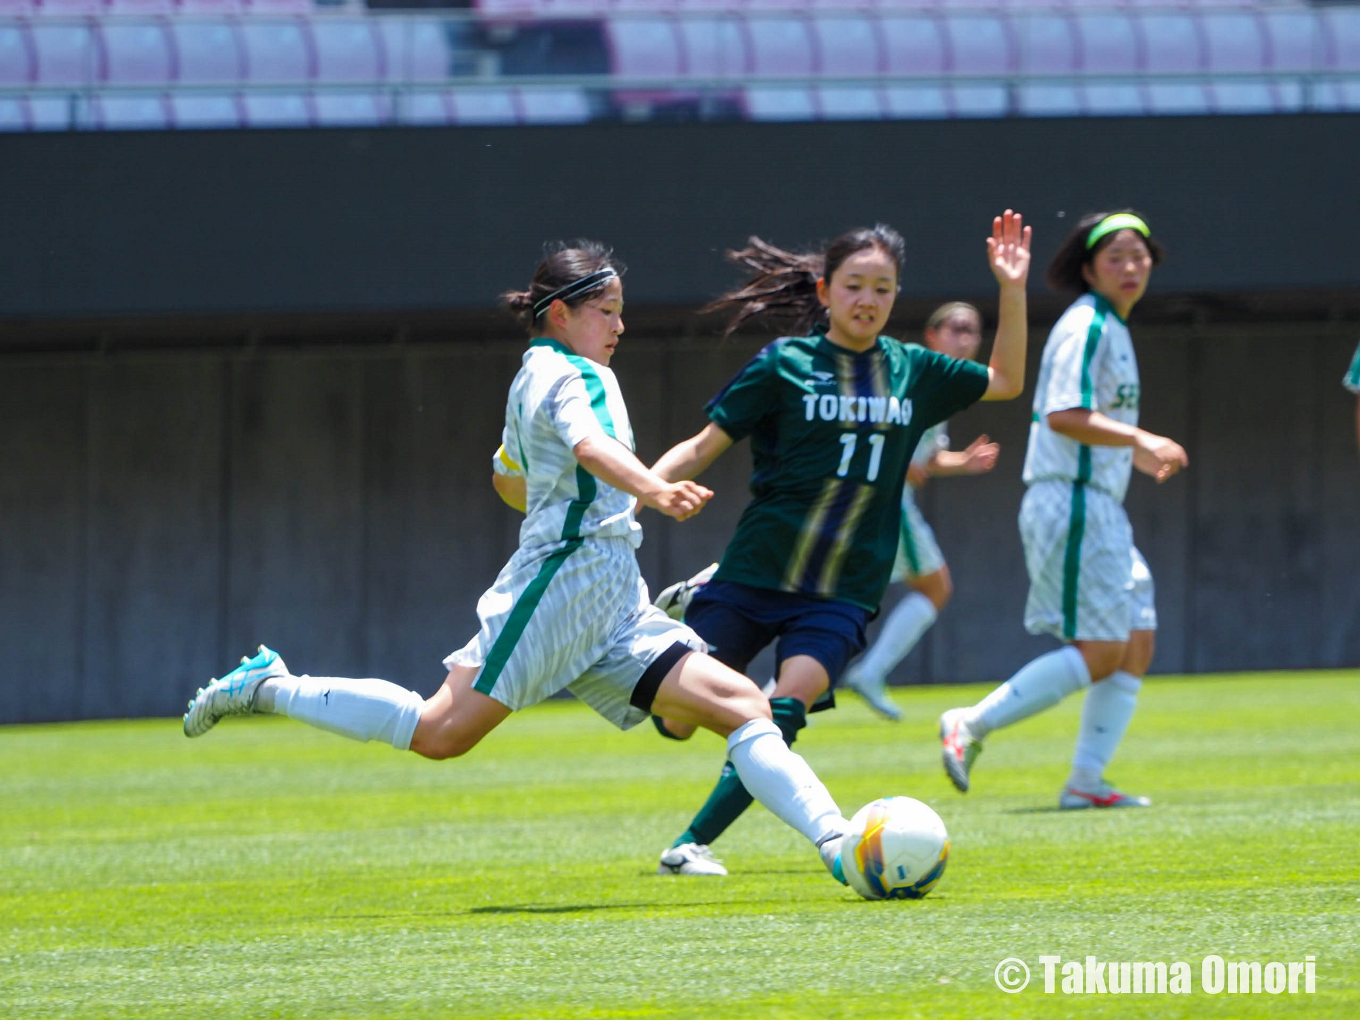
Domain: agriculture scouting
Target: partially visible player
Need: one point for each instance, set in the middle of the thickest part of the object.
(833, 412)
(570, 609)
(1089, 585)
(954, 329)
(1352, 383)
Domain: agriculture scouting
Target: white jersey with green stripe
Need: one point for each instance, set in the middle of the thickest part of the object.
(558, 399)
(1088, 362)
(1352, 379)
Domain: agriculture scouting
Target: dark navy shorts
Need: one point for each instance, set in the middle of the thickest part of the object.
(737, 621)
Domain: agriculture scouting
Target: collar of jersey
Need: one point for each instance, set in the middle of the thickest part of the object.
(819, 331)
(547, 341)
(1104, 307)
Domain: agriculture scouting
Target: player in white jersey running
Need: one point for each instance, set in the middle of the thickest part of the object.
(1352, 383)
(954, 329)
(570, 610)
(1089, 585)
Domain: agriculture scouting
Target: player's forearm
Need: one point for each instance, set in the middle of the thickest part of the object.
(612, 462)
(1093, 428)
(947, 463)
(1007, 363)
(690, 457)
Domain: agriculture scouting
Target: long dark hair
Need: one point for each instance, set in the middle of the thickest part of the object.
(562, 265)
(1064, 272)
(782, 288)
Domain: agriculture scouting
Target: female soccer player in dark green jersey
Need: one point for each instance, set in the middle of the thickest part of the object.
(833, 413)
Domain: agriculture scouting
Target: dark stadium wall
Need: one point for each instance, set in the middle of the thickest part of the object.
(99, 223)
(161, 513)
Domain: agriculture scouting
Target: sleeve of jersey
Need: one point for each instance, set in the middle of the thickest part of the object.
(577, 407)
(949, 384)
(1070, 370)
(749, 397)
(1352, 380)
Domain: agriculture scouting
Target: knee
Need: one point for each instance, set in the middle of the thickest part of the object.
(740, 707)
(442, 744)
(1103, 658)
(945, 590)
(938, 587)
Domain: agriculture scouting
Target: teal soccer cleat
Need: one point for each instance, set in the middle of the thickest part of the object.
(234, 694)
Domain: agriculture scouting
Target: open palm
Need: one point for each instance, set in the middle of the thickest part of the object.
(1008, 249)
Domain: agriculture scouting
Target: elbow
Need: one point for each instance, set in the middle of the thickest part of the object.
(1011, 391)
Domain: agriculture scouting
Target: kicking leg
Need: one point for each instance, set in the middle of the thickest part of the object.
(701, 690)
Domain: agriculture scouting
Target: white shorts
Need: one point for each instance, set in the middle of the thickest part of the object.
(1087, 580)
(578, 619)
(918, 554)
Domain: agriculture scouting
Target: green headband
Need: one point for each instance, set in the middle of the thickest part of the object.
(1111, 224)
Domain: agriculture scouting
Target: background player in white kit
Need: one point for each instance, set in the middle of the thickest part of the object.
(1089, 585)
(954, 329)
(570, 610)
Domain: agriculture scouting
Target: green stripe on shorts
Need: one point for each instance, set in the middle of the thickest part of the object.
(1076, 529)
(519, 618)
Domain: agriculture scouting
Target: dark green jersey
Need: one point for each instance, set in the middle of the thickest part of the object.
(831, 434)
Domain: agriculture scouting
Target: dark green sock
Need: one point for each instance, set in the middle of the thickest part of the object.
(729, 798)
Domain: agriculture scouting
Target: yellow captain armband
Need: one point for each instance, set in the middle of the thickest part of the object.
(503, 464)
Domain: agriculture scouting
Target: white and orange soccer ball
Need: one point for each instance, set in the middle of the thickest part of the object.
(896, 849)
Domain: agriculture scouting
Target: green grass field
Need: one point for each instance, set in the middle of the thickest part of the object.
(268, 870)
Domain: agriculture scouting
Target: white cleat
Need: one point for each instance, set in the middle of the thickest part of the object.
(958, 747)
(234, 694)
(690, 859)
(874, 690)
(674, 600)
(1103, 796)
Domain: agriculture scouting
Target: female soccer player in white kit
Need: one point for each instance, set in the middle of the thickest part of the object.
(570, 610)
(1089, 585)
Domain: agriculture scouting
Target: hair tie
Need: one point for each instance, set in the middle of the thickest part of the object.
(585, 283)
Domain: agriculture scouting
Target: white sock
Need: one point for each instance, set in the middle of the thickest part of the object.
(1039, 685)
(783, 781)
(358, 709)
(1105, 716)
(904, 626)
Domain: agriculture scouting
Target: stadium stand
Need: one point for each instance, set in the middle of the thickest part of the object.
(91, 64)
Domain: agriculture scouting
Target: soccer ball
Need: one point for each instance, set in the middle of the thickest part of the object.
(896, 849)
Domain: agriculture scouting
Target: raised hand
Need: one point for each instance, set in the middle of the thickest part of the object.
(980, 456)
(1008, 249)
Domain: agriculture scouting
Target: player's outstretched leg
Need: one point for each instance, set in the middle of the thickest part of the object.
(1038, 685)
(368, 709)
